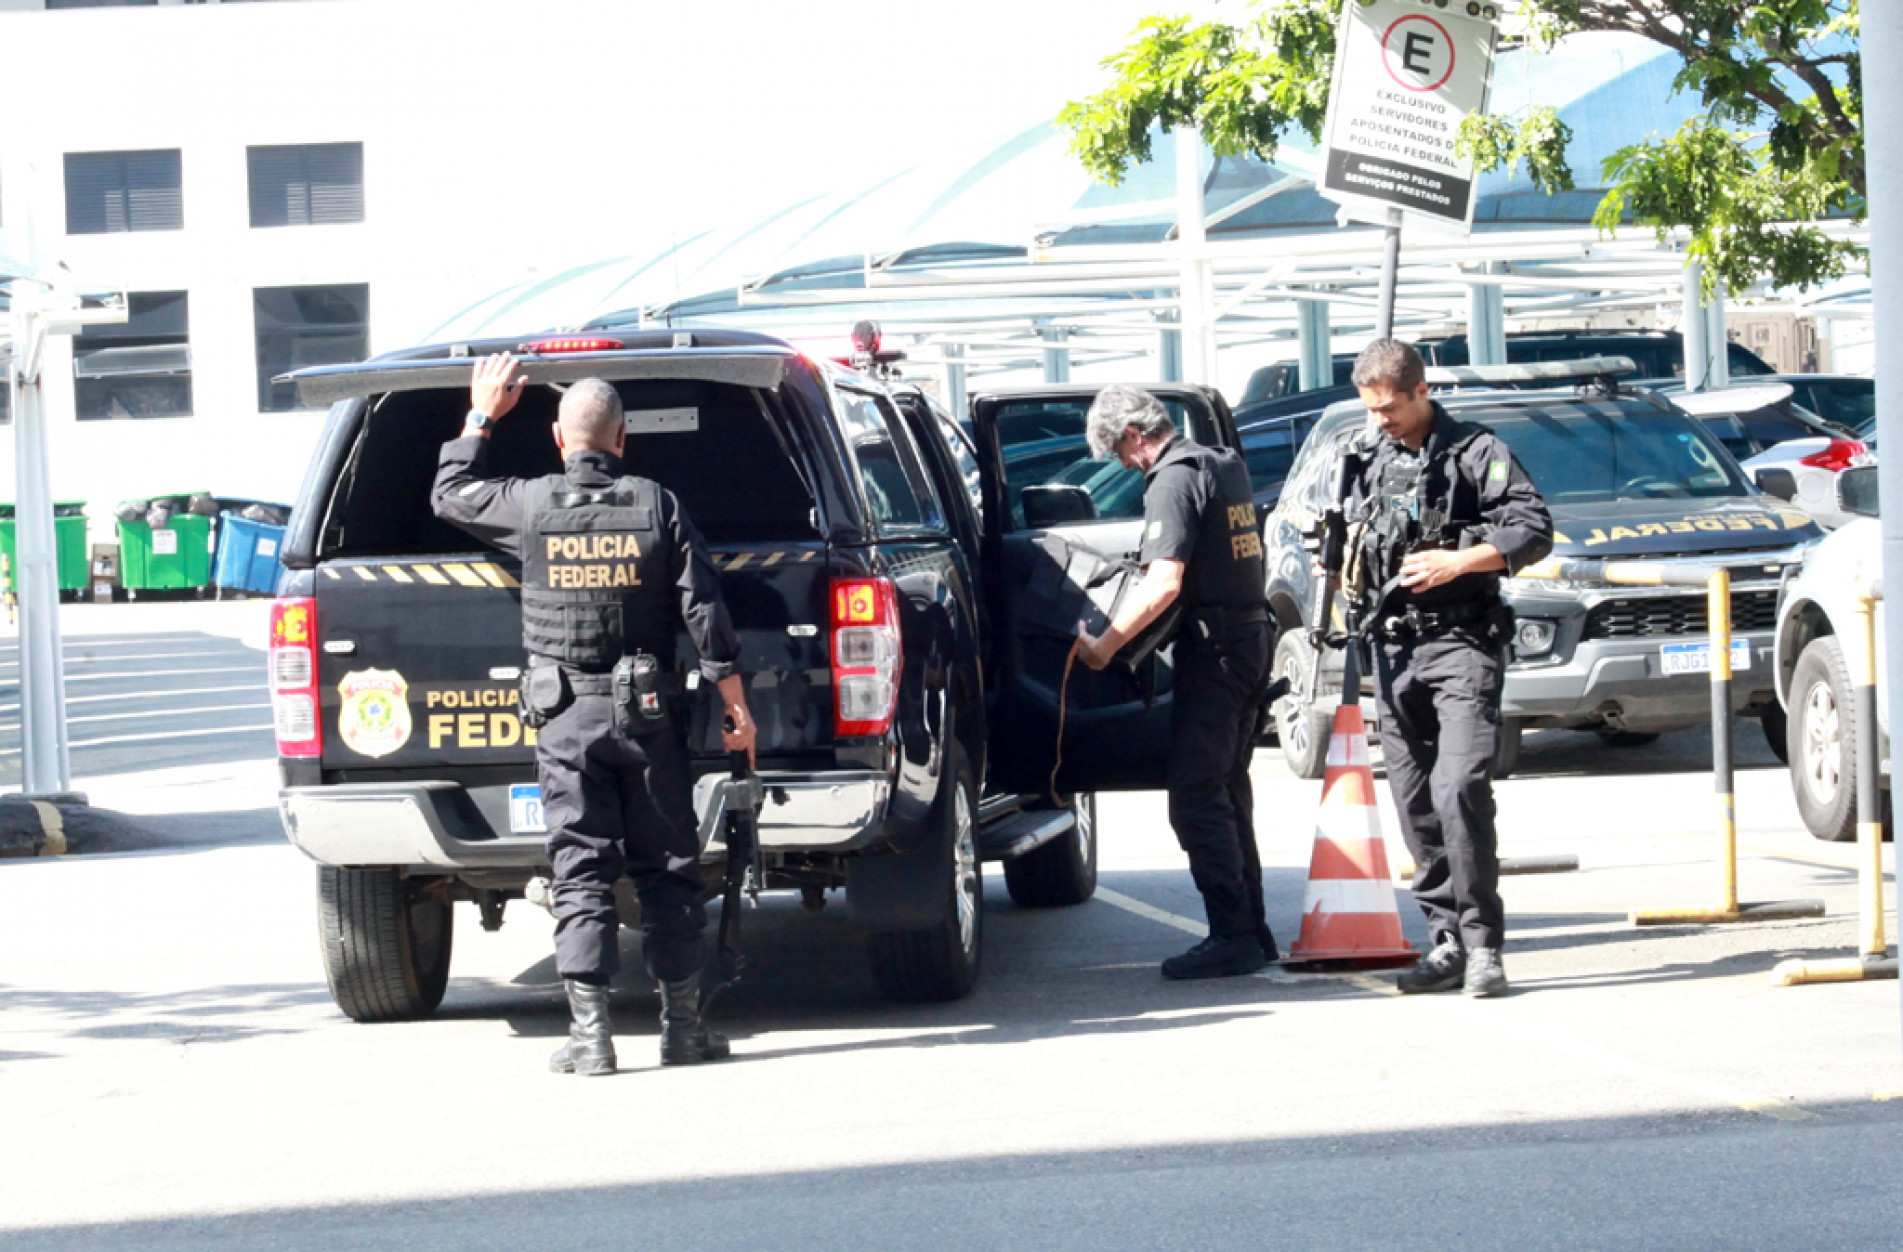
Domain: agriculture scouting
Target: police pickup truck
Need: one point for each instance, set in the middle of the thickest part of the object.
(1625, 475)
(840, 511)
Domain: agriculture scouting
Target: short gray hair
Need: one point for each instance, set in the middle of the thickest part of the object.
(1119, 407)
(1390, 363)
(590, 414)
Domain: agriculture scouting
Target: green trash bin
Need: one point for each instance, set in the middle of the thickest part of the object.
(69, 544)
(177, 555)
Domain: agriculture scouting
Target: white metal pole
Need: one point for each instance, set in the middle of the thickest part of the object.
(1191, 238)
(46, 769)
(1717, 341)
(1056, 353)
(1695, 326)
(1883, 98)
(957, 397)
(1315, 342)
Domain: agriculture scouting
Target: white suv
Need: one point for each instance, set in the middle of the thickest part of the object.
(1815, 614)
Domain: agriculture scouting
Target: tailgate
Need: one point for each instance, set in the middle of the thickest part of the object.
(419, 658)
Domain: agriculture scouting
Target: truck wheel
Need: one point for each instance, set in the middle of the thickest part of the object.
(1302, 720)
(1777, 731)
(941, 962)
(1061, 872)
(1821, 739)
(386, 943)
(1506, 754)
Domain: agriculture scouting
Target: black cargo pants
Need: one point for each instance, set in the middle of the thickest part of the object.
(1218, 694)
(1439, 700)
(614, 802)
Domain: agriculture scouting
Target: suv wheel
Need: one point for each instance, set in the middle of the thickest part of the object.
(386, 943)
(1821, 740)
(1302, 720)
(941, 962)
(1063, 871)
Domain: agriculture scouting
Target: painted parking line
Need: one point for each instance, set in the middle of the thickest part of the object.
(1718, 1093)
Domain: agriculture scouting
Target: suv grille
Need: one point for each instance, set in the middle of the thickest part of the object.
(1643, 616)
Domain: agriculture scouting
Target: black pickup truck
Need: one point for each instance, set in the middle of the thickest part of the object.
(840, 511)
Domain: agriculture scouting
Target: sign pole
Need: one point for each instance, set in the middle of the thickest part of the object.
(1390, 276)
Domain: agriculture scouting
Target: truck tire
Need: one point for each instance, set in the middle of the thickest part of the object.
(386, 943)
(1061, 872)
(1822, 741)
(941, 962)
(1303, 722)
(1506, 754)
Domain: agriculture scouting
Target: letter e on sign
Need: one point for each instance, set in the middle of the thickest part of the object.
(1418, 52)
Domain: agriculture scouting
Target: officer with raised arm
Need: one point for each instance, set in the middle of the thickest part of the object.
(1202, 549)
(1442, 510)
(612, 568)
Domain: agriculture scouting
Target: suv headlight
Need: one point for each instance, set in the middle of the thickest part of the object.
(1534, 637)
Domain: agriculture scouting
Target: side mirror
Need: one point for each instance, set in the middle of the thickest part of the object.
(1857, 491)
(1777, 482)
(1054, 504)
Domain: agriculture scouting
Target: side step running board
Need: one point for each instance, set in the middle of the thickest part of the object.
(1018, 833)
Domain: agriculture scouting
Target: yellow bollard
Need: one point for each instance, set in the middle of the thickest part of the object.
(1872, 959)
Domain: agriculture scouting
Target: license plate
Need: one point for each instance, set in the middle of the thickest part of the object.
(1695, 658)
(525, 809)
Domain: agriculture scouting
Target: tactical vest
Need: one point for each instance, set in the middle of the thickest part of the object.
(594, 574)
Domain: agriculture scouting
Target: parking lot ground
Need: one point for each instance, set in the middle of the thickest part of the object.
(174, 1075)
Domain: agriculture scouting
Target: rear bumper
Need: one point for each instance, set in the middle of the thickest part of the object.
(443, 825)
(1623, 683)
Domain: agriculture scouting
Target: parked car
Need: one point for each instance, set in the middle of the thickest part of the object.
(1625, 475)
(1848, 400)
(1655, 353)
(1815, 621)
(1269, 447)
(830, 501)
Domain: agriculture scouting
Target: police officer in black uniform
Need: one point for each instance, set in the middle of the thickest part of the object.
(1202, 548)
(1444, 510)
(611, 569)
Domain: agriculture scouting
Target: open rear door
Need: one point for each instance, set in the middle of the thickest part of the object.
(1050, 512)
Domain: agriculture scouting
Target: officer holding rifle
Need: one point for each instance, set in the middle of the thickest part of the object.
(611, 570)
(1437, 511)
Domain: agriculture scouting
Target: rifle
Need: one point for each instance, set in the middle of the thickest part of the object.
(746, 869)
(1329, 541)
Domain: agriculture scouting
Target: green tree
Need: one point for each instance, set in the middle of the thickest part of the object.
(1778, 145)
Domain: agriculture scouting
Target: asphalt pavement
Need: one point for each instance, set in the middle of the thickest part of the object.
(174, 1075)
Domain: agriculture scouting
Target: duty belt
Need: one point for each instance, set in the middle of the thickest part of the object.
(580, 681)
(1415, 622)
(1220, 623)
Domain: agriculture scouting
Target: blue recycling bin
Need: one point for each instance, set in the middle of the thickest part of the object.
(248, 555)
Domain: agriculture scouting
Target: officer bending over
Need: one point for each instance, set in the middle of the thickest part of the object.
(1200, 546)
(1445, 510)
(611, 570)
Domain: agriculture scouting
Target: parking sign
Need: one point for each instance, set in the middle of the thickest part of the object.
(1407, 73)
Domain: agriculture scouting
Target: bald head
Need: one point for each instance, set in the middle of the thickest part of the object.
(590, 417)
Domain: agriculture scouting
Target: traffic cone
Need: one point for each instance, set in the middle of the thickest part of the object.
(1348, 912)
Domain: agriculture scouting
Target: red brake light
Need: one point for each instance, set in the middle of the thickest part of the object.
(293, 674)
(866, 656)
(1838, 455)
(549, 347)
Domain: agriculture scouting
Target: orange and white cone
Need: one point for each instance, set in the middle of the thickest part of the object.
(1348, 912)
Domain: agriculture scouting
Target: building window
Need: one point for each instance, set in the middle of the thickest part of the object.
(108, 192)
(300, 326)
(306, 184)
(141, 367)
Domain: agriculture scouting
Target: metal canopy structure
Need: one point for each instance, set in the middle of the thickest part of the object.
(1016, 260)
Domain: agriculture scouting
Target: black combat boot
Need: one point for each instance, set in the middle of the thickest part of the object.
(1270, 952)
(590, 1049)
(1218, 958)
(1440, 970)
(685, 1039)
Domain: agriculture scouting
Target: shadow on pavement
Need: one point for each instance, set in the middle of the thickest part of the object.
(198, 1015)
(1577, 753)
(1689, 1179)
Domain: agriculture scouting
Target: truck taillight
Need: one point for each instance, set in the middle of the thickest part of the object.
(293, 669)
(865, 621)
(1837, 456)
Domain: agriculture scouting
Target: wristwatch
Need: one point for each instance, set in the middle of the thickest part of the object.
(478, 420)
